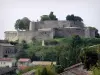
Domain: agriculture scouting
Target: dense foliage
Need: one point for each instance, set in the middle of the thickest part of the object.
(46, 70)
(90, 56)
(51, 16)
(65, 51)
(22, 24)
(74, 18)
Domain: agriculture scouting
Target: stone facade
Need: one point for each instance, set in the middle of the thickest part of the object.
(44, 30)
(7, 50)
(7, 62)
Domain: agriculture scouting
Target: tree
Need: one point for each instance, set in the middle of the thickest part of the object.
(45, 17)
(22, 24)
(21, 54)
(68, 55)
(76, 41)
(17, 24)
(52, 16)
(74, 18)
(26, 22)
(89, 58)
(44, 71)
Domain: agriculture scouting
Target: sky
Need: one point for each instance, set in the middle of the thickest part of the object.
(11, 10)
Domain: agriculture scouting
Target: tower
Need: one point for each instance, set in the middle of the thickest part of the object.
(32, 26)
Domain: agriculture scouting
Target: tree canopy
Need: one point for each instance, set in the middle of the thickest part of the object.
(74, 18)
(22, 24)
(51, 16)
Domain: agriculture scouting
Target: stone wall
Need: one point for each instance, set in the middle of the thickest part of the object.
(26, 35)
(89, 32)
(45, 34)
(56, 24)
(8, 51)
(1, 51)
(20, 35)
(44, 30)
(69, 31)
(10, 35)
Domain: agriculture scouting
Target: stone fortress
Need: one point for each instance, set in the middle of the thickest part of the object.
(44, 30)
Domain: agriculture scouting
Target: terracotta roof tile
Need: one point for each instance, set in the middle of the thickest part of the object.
(6, 59)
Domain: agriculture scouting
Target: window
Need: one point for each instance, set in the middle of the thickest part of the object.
(4, 62)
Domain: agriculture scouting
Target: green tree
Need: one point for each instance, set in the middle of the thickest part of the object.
(89, 57)
(26, 23)
(45, 17)
(21, 54)
(22, 24)
(52, 16)
(44, 71)
(74, 18)
(76, 41)
(68, 55)
(22, 47)
(19, 24)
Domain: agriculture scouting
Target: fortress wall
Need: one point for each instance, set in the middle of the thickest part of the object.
(10, 35)
(92, 33)
(76, 24)
(53, 24)
(58, 24)
(45, 34)
(64, 23)
(89, 32)
(68, 32)
(32, 26)
(26, 35)
(48, 24)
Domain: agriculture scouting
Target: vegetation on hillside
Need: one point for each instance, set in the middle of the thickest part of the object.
(65, 51)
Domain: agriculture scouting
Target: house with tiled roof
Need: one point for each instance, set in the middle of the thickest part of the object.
(7, 62)
(23, 63)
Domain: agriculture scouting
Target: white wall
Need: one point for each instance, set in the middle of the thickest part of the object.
(5, 63)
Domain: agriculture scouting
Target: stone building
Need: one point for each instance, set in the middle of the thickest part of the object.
(7, 62)
(44, 30)
(7, 50)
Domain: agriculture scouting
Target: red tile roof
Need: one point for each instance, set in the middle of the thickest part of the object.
(24, 60)
(6, 59)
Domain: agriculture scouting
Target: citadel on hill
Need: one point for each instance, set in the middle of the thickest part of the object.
(44, 30)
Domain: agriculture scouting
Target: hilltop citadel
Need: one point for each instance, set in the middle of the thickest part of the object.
(44, 30)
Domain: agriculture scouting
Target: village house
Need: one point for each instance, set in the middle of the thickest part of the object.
(7, 50)
(7, 62)
(23, 63)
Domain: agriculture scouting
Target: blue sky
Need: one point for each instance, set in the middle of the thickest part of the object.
(11, 10)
